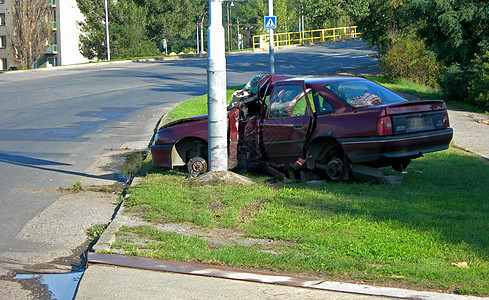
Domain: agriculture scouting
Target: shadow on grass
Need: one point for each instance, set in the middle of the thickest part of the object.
(445, 194)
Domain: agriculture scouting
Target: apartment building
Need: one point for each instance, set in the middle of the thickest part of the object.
(63, 50)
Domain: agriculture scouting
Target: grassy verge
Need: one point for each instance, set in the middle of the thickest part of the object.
(406, 236)
(194, 107)
(408, 87)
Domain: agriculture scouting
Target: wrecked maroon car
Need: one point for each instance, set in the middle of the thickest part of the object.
(325, 125)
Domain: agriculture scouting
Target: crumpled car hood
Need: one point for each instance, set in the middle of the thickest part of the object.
(185, 121)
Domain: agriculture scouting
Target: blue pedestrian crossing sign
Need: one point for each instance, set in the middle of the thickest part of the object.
(270, 22)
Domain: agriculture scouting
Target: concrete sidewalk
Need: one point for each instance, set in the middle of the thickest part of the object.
(470, 131)
(115, 276)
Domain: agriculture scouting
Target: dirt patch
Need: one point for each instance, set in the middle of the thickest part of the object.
(216, 237)
(221, 176)
(486, 122)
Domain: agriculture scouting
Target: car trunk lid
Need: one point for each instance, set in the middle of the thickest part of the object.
(414, 116)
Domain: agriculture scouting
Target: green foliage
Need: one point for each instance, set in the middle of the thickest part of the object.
(171, 20)
(92, 41)
(454, 29)
(454, 82)
(381, 20)
(408, 58)
(77, 187)
(136, 27)
(479, 82)
(128, 31)
(95, 232)
(331, 13)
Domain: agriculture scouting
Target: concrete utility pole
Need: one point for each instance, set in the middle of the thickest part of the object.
(272, 51)
(107, 30)
(216, 90)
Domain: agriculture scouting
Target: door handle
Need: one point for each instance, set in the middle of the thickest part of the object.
(298, 126)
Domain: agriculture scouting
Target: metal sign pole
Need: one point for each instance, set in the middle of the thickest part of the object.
(216, 94)
(272, 51)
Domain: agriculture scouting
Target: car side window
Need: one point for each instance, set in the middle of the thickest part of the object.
(288, 101)
(324, 106)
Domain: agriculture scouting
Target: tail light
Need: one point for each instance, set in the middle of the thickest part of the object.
(384, 126)
(446, 122)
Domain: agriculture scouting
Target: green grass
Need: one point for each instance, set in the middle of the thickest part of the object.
(407, 86)
(342, 231)
(194, 107)
(95, 232)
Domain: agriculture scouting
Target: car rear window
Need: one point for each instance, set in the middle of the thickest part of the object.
(361, 93)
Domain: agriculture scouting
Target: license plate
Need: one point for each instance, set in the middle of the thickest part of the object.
(418, 123)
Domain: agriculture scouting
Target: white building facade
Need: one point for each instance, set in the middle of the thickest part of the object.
(63, 49)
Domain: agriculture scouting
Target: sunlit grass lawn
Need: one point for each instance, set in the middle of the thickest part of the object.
(406, 235)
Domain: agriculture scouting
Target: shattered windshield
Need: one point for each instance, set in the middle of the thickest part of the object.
(252, 85)
(361, 93)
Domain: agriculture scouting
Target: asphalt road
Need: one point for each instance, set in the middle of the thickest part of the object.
(63, 125)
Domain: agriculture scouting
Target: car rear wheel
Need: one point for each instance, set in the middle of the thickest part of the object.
(328, 156)
(197, 165)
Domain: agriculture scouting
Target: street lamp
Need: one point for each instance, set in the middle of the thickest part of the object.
(107, 30)
(230, 4)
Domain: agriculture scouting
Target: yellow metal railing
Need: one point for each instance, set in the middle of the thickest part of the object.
(309, 36)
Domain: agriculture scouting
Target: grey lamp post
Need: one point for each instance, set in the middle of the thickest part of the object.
(107, 30)
(230, 4)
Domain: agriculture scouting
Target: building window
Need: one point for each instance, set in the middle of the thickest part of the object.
(2, 19)
(3, 42)
(3, 64)
(2, 1)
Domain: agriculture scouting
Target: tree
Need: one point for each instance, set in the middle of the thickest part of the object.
(92, 40)
(127, 22)
(332, 13)
(454, 29)
(137, 27)
(128, 33)
(381, 21)
(30, 31)
(171, 19)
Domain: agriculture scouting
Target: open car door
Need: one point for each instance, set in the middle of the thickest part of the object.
(286, 124)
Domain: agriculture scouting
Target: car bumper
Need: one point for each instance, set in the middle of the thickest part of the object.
(161, 155)
(371, 149)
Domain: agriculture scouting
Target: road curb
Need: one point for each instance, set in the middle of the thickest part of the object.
(213, 271)
(108, 236)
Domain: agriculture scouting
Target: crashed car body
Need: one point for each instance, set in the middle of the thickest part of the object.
(325, 124)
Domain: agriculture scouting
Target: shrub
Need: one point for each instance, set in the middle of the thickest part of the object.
(453, 83)
(408, 58)
(478, 86)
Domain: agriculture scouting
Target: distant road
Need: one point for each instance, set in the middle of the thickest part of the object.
(57, 124)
